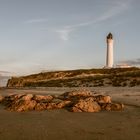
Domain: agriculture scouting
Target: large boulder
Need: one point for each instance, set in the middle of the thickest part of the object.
(86, 105)
(19, 102)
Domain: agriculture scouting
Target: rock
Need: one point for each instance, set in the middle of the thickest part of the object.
(57, 104)
(27, 102)
(56, 101)
(75, 101)
(1, 98)
(113, 107)
(41, 106)
(86, 105)
(75, 109)
(19, 102)
(51, 106)
(63, 104)
(27, 97)
(7, 101)
(16, 96)
(22, 105)
(41, 98)
(13, 97)
(76, 93)
(101, 99)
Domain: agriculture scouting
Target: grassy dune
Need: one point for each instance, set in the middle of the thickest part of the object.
(84, 78)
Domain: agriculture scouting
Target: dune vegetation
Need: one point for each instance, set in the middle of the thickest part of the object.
(80, 78)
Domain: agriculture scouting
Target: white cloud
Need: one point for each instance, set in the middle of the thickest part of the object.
(64, 34)
(118, 7)
(30, 21)
(132, 62)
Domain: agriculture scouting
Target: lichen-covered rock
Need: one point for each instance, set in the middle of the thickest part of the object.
(86, 105)
(19, 102)
(42, 98)
(14, 97)
(27, 97)
(8, 100)
(101, 99)
(22, 105)
(40, 106)
(76, 94)
(113, 106)
(75, 101)
(63, 104)
(57, 104)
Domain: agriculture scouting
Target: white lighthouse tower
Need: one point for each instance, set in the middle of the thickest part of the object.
(109, 56)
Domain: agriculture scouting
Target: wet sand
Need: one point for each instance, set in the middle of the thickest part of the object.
(64, 125)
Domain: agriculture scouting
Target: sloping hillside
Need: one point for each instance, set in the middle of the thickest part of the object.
(75, 78)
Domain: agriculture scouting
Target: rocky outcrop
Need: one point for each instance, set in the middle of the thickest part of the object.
(75, 101)
(86, 105)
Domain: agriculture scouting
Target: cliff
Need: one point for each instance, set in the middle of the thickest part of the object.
(83, 78)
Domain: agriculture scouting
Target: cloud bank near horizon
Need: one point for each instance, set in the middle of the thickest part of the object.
(134, 62)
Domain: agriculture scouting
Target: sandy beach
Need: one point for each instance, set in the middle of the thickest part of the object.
(64, 125)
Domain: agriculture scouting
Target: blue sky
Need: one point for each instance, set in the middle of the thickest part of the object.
(37, 35)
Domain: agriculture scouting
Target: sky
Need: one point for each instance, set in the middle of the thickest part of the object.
(44, 35)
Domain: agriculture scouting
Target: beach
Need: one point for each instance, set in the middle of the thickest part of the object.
(64, 125)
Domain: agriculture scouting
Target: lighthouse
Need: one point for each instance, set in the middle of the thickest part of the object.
(109, 56)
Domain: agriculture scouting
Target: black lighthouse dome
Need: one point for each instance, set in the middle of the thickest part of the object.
(110, 36)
